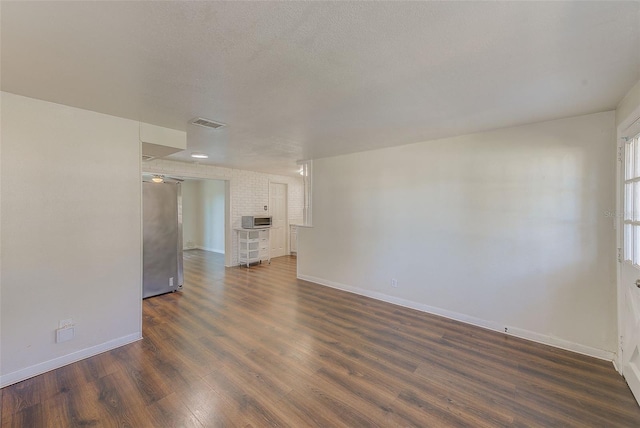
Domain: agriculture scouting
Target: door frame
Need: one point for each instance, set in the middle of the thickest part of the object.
(621, 132)
(287, 238)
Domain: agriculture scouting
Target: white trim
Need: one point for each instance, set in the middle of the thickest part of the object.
(38, 369)
(141, 237)
(633, 129)
(212, 250)
(619, 233)
(489, 325)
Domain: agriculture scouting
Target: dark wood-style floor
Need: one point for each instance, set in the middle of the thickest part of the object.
(256, 347)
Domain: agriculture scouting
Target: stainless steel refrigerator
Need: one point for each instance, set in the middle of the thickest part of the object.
(162, 238)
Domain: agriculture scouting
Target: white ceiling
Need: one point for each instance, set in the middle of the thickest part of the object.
(298, 80)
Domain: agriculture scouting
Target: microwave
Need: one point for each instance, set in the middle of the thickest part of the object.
(255, 222)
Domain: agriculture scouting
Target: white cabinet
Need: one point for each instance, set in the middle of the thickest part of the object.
(253, 246)
(293, 244)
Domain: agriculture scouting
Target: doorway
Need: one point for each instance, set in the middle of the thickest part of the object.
(278, 204)
(629, 256)
(203, 215)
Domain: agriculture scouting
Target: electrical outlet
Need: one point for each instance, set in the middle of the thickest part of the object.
(394, 282)
(65, 330)
(65, 334)
(171, 282)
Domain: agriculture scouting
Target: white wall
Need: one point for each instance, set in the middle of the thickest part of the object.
(503, 229)
(203, 207)
(71, 241)
(249, 192)
(212, 199)
(191, 230)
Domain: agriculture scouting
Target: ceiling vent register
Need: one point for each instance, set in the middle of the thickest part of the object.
(207, 123)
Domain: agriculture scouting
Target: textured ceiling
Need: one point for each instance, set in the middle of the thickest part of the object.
(298, 80)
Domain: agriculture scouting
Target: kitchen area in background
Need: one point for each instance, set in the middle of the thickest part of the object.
(247, 193)
(210, 207)
(214, 199)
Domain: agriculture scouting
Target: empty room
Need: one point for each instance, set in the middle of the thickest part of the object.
(319, 214)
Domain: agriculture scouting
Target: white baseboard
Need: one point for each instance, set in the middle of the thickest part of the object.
(213, 250)
(490, 325)
(38, 369)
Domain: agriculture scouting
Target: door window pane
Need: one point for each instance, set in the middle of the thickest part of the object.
(628, 201)
(636, 158)
(629, 165)
(628, 244)
(631, 201)
(634, 199)
(636, 245)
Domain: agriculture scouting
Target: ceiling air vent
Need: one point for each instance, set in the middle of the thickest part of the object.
(207, 123)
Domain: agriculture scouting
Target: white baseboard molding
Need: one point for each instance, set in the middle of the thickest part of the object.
(490, 325)
(38, 369)
(617, 367)
(212, 250)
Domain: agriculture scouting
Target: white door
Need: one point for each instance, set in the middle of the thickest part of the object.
(278, 204)
(629, 286)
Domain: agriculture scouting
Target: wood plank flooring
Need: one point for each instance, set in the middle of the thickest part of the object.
(256, 348)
